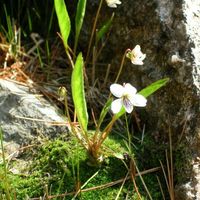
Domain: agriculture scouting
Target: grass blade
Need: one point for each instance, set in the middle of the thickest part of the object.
(5, 182)
(63, 20)
(9, 33)
(104, 29)
(153, 87)
(78, 93)
(80, 14)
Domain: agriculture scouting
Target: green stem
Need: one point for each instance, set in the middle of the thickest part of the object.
(128, 133)
(120, 69)
(106, 132)
(67, 50)
(72, 127)
(75, 47)
(70, 58)
(5, 168)
(66, 108)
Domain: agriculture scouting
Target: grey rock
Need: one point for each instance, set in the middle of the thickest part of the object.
(169, 33)
(25, 115)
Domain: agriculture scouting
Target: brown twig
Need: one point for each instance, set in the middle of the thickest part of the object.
(101, 186)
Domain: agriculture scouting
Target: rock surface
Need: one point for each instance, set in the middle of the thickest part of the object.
(169, 33)
(25, 115)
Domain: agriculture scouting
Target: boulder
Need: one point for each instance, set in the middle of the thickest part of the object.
(26, 115)
(169, 33)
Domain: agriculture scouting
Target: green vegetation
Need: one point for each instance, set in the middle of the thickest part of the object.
(98, 160)
(60, 165)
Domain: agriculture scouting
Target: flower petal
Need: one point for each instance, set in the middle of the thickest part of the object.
(137, 61)
(137, 50)
(129, 89)
(128, 105)
(136, 55)
(113, 3)
(116, 105)
(117, 90)
(138, 100)
(142, 56)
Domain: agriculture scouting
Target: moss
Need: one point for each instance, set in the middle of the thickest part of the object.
(148, 155)
(53, 165)
(58, 166)
(20, 186)
(182, 164)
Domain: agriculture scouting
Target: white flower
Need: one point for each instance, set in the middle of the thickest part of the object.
(127, 97)
(136, 55)
(176, 59)
(113, 3)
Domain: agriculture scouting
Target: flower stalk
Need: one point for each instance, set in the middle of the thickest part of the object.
(121, 66)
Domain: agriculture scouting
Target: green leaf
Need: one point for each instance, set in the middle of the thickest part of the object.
(104, 111)
(120, 113)
(80, 13)
(104, 29)
(78, 93)
(153, 87)
(63, 20)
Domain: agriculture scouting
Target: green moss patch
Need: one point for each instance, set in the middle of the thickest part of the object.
(60, 166)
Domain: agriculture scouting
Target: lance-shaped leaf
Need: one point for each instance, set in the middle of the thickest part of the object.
(78, 93)
(80, 14)
(104, 29)
(63, 20)
(153, 87)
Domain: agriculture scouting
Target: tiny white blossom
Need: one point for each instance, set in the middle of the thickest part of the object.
(136, 55)
(113, 3)
(127, 97)
(177, 59)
